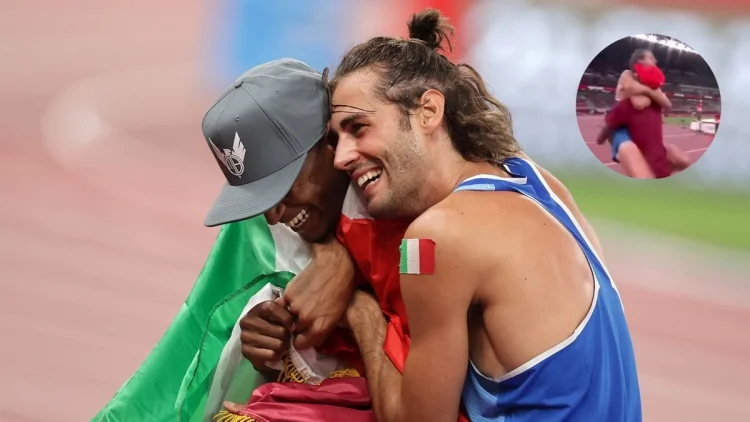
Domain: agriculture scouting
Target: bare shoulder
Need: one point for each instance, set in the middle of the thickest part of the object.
(566, 197)
(453, 225)
(461, 211)
(443, 221)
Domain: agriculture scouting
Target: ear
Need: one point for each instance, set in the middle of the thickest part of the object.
(432, 110)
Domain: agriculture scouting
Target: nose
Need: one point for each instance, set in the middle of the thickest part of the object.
(273, 216)
(346, 154)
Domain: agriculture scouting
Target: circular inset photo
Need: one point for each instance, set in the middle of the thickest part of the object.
(648, 106)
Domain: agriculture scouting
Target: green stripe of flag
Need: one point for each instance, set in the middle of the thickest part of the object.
(173, 382)
(404, 256)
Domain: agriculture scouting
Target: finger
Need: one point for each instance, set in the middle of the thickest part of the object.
(265, 328)
(281, 302)
(233, 407)
(312, 337)
(259, 357)
(264, 342)
(280, 315)
(305, 340)
(270, 312)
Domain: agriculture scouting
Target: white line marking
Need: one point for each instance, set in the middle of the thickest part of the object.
(676, 135)
(696, 150)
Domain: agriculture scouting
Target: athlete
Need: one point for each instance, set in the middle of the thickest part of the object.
(644, 91)
(519, 316)
(624, 151)
(373, 243)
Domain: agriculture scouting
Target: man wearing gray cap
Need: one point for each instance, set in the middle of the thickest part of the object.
(264, 133)
(268, 133)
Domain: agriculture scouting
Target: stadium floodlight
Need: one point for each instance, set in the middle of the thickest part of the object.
(666, 41)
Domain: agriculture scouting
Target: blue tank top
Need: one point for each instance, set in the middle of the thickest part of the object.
(590, 376)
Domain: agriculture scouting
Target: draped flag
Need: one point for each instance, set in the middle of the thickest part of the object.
(197, 364)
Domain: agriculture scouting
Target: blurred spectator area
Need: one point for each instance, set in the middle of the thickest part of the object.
(690, 81)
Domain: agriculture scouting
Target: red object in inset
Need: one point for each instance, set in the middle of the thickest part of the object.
(651, 76)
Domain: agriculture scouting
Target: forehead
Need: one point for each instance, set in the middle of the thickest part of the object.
(352, 96)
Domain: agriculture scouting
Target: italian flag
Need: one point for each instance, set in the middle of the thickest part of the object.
(197, 364)
(417, 256)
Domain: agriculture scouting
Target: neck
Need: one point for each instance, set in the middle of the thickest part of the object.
(449, 169)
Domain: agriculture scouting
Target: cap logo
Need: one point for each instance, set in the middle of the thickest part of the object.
(233, 160)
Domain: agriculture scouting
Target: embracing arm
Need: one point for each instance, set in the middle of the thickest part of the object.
(633, 89)
(320, 294)
(604, 135)
(437, 305)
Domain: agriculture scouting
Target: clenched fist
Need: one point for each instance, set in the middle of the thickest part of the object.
(265, 332)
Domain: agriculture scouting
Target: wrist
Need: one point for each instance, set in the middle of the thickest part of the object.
(332, 254)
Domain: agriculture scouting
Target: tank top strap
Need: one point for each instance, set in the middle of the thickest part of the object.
(526, 180)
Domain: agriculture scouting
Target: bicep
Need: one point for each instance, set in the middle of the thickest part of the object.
(630, 85)
(437, 306)
(627, 80)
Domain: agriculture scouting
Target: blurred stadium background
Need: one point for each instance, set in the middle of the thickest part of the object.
(106, 178)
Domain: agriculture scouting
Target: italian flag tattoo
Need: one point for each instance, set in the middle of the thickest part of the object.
(417, 256)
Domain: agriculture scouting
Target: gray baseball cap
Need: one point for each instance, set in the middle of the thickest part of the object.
(260, 132)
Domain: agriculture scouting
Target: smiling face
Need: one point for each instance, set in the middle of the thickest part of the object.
(378, 148)
(313, 205)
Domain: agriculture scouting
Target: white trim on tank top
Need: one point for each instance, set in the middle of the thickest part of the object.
(562, 205)
(582, 325)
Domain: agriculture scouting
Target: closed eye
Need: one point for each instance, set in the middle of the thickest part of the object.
(357, 129)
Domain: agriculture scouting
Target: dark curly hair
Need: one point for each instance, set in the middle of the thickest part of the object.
(479, 125)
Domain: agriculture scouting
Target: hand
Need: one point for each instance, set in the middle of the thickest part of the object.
(235, 408)
(266, 330)
(320, 294)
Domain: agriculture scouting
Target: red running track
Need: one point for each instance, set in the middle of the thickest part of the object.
(104, 183)
(694, 144)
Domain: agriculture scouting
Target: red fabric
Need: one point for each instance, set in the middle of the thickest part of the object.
(645, 127)
(651, 76)
(337, 399)
(374, 245)
(340, 343)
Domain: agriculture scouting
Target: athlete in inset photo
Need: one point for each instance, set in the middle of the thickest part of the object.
(624, 150)
(511, 308)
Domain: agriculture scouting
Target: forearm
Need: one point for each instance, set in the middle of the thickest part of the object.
(383, 379)
(637, 88)
(332, 251)
(661, 99)
(604, 134)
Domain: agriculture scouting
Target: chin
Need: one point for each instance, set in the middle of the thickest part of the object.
(319, 232)
(380, 210)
